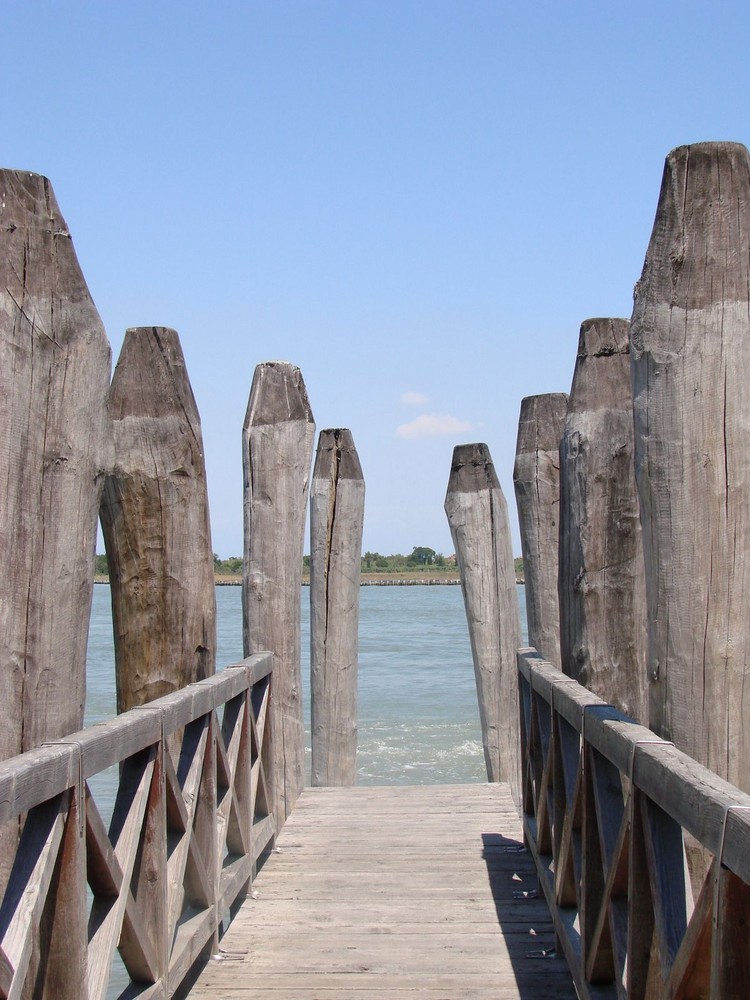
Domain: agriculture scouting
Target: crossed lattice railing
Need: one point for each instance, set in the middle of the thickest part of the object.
(193, 813)
(623, 826)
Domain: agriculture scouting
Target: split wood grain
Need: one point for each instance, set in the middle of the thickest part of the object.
(536, 480)
(156, 524)
(478, 519)
(54, 378)
(601, 571)
(277, 443)
(55, 363)
(337, 511)
(690, 346)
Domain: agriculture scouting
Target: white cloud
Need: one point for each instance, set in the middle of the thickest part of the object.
(433, 425)
(414, 399)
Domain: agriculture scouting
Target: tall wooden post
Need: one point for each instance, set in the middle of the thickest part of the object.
(691, 358)
(277, 443)
(337, 509)
(536, 479)
(602, 586)
(54, 378)
(478, 519)
(156, 525)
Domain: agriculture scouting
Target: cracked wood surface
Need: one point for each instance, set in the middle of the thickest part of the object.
(55, 365)
(690, 347)
(601, 574)
(478, 519)
(277, 445)
(156, 525)
(536, 481)
(54, 379)
(383, 892)
(337, 510)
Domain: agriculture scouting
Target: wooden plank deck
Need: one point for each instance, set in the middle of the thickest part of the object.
(388, 893)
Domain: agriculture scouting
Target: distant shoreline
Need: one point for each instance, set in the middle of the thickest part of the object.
(367, 580)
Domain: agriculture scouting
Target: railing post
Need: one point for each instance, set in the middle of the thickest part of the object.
(62, 958)
(206, 833)
(151, 889)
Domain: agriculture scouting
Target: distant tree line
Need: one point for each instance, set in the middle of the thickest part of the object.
(421, 558)
(228, 567)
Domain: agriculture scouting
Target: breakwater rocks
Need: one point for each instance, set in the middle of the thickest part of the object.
(430, 581)
(386, 581)
(408, 582)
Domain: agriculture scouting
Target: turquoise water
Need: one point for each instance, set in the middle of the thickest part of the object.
(418, 717)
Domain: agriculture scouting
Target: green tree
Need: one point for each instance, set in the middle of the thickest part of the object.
(421, 556)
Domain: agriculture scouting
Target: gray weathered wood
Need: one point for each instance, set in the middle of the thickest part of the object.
(341, 912)
(54, 377)
(277, 443)
(478, 519)
(536, 479)
(156, 526)
(601, 573)
(631, 805)
(177, 854)
(690, 358)
(337, 509)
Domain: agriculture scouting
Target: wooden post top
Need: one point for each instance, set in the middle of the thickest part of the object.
(472, 470)
(596, 384)
(540, 420)
(336, 452)
(34, 229)
(700, 229)
(278, 394)
(22, 192)
(153, 353)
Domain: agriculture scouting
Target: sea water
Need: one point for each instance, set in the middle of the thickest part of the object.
(417, 701)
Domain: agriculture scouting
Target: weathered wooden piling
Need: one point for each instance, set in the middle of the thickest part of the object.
(156, 525)
(54, 377)
(277, 444)
(536, 480)
(601, 574)
(337, 508)
(690, 359)
(478, 519)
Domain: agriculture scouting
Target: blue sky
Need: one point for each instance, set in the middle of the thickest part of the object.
(417, 202)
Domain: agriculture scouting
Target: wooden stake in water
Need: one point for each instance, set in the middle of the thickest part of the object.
(602, 596)
(156, 524)
(690, 345)
(277, 444)
(54, 377)
(478, 519)
(536, 479)
(337, 508)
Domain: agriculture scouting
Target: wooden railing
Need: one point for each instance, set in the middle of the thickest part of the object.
(620, 824)
(193, 813)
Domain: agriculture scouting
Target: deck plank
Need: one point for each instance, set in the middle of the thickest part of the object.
(393, 892)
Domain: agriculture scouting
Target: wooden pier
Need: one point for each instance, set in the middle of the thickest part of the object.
(393, 892)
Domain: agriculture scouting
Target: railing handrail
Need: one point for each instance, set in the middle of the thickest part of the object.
(193, 813)
(37, 775)
(611, 853)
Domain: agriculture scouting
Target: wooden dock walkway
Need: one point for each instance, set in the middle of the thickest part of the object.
(385, 893)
